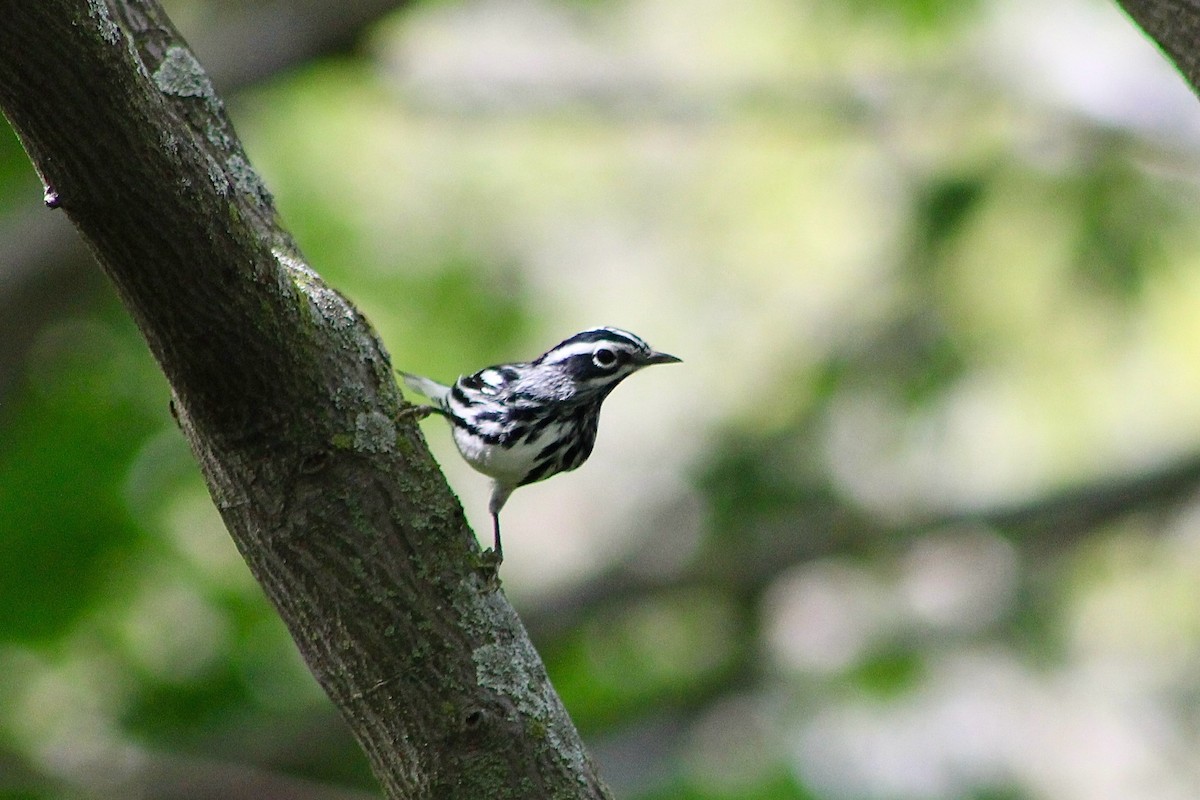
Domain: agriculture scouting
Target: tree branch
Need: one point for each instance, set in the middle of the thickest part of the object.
(288, 401)
(1174, 25)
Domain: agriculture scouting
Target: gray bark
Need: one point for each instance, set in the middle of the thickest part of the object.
(1175, 26)
(289, 403)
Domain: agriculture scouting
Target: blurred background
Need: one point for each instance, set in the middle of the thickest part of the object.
(917, 518)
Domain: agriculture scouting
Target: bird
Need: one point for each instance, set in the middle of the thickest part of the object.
(523, 422)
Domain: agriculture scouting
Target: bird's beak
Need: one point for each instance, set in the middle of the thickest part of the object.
(661, 358)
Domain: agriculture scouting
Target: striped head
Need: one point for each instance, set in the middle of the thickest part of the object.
(597, 359)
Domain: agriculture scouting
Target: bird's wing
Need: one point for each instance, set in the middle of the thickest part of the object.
(495, 381)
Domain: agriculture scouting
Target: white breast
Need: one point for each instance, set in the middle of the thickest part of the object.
(507, 465)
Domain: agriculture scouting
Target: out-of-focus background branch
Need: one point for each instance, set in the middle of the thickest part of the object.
(917, 518)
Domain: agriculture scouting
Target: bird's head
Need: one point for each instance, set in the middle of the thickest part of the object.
(598, 359)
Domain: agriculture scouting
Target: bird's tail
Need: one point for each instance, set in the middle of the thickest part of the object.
(432, 389)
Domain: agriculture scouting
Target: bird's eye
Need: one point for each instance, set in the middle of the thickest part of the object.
(604, 358)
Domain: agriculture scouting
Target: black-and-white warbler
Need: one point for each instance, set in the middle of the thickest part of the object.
(521, 423)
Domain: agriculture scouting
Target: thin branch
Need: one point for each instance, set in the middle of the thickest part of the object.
(828, 527)
(245, 43)
(1175, 26)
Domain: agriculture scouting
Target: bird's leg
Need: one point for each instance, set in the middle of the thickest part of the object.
(500, 493)
(497, 548)
(489, 560)
(492, 558)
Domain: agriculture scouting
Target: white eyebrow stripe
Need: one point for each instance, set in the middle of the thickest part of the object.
(633, 340)
(561, 354)
(578, 348)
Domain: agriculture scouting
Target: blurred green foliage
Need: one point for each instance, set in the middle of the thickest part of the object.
(61, 485)
(15, 175)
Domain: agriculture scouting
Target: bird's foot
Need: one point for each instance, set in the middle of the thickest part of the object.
(414, 413)
(488, 566)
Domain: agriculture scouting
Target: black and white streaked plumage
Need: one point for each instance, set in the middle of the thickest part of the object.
(521, 423)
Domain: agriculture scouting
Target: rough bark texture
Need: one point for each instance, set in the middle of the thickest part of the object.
(288, 400)
(1175, 26)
